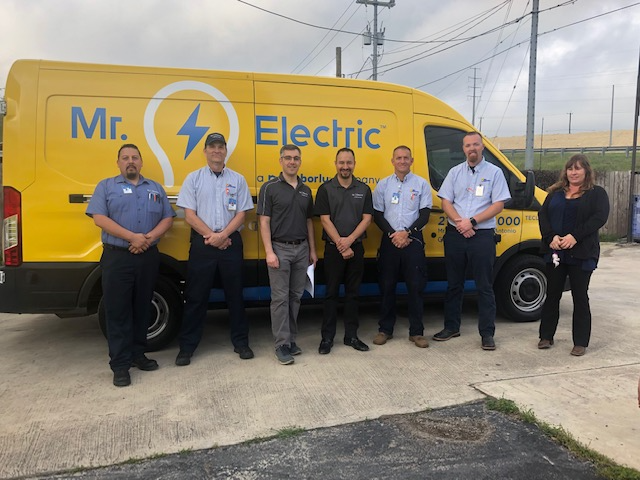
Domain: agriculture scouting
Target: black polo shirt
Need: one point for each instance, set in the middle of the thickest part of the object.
(345, 206)
(287, 207)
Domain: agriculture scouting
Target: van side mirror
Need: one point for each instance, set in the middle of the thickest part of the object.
(522, 192)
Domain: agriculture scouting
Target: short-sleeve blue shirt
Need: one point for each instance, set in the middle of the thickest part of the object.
(472, 193)
(215, 198)
(138, 208)
(401, 200)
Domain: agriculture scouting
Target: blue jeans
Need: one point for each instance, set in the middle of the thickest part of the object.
(477, 253)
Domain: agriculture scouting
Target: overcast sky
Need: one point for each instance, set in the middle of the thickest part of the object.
(585, 47)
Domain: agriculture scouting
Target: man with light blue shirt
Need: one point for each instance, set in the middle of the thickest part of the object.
(401, 208)
(472, 194)
(133, 213)
(215, 200)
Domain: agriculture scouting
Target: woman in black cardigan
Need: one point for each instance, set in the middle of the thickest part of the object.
(569, 219)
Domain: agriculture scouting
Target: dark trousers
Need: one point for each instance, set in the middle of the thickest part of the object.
(479, 254)
(579, 279)
(411, 263)
(337, 270)
(204, 262)
(127, 288)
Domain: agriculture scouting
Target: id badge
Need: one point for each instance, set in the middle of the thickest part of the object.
(232, 205)
(479, 190)
(395, 197)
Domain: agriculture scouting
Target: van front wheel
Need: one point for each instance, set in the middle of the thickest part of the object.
(521, 288)
(166, 315)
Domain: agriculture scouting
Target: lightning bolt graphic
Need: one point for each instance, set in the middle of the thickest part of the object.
(194, 132)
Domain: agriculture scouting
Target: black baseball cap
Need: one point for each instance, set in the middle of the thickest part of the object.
(215, 138)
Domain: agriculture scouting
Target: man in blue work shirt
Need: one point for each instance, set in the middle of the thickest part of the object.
(401, 207)
(472, 194)
(215, 201)
(133, 213)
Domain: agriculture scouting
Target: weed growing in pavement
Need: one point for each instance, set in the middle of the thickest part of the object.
(289, 432)
(604, 465)
(286, 432)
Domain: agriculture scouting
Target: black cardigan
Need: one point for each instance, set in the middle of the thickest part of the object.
(593, 212)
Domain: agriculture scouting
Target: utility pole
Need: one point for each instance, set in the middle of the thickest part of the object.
(613, 93)
(531, 100)
(339, 62)
(473, 97)
(376, 38)
(570, 113)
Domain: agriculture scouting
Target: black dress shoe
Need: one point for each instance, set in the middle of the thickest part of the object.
(183, 359)
(488, 343)
(144, 363)
(244, 352)
(444, 335)
(121, 378)
(325, 347)
(356, 343)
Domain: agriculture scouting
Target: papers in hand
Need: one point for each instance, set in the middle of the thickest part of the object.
(310, 284)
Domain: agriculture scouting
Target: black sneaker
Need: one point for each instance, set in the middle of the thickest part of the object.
(244, 352)
(121, 378)
(284, 355)
(183, 359)
(445, 335)
(488, 343)
(294, 349)
(144, 363)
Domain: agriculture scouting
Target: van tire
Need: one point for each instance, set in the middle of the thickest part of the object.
(521, 288)
(166, 315)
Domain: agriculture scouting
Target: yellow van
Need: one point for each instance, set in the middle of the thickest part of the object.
(64, 123)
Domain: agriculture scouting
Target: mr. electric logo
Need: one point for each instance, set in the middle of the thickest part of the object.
(107, 126)
(270, 130)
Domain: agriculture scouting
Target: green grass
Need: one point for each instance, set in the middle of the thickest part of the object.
(604, 465)
(555, 161)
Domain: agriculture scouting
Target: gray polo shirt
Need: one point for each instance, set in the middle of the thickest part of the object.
(288, 208)
(345, 206)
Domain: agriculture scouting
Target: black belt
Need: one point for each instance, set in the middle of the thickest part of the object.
(108, 246)
(290, 242)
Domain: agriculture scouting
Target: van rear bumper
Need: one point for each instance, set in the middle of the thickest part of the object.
(59, 288)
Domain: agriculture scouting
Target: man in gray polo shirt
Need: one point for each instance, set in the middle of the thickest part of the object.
(285, 209)
(345, 209)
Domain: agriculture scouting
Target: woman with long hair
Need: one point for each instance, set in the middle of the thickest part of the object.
(569, 219)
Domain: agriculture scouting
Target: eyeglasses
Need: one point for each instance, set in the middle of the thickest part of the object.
(288, 158)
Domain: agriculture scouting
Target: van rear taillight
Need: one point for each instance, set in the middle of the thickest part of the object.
(12, 228)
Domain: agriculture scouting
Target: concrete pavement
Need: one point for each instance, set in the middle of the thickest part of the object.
(58, 409)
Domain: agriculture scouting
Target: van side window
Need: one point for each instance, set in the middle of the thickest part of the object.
(444, 151)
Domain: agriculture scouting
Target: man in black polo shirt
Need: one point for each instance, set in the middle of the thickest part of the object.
(285, 209)
(345, 209)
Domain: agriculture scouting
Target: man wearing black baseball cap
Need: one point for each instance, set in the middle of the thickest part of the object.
(215, 200)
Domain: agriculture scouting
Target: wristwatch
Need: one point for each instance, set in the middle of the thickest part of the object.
(408, 230)
(473, 222)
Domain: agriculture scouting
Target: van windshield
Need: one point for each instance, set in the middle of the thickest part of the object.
(444, 151)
